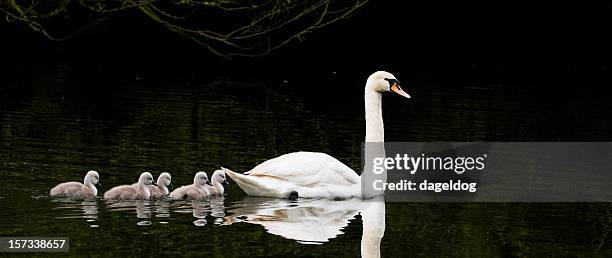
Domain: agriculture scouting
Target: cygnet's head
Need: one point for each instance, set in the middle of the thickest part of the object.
(383, 81)
(200, 178)
(219, 176)
(164, 179)
(146, 178)
(92, 177)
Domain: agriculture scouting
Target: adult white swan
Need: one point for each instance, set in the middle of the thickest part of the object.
(318, 175)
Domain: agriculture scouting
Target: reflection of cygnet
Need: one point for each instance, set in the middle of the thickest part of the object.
(197, 190)
(90, 209)
(161, 189)
(217, 208)
(139, 191)
(217, 180)
(199, 209)
(77, 190)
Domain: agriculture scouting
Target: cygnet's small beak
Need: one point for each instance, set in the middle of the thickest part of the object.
(226, 182)
(397, 89)
(98, 184)
(171, 186)
(155, 184)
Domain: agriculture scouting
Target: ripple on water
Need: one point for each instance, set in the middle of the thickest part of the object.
(218, 214)
(144, 223)
(200, 222)
(219, 221)
(144, 209)
(77, 209)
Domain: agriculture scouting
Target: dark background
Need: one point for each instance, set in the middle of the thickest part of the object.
(553, 54)
(527, 38)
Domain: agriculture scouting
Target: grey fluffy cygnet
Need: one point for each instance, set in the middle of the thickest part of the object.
(139, 191)
(197, 190)
(161, 189)
(217, 180)
(77, 190)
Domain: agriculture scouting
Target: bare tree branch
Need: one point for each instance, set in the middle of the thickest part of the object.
(225, 27)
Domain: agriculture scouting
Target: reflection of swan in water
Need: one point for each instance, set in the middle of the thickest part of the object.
(200, 209)
(87, 209)
(90, 209)
(143, 207)
(373, 218)
(313, 220)
(217, 209)
(307, 221)
(162, 208)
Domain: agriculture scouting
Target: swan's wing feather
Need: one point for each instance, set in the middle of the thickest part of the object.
(307, 169)
(120, 192)
(73, 187)
(69, 189)
(178, 193)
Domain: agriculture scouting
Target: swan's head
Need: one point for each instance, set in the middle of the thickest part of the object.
(146, 178)
(92, 177)
(200, 178)
(164, 179)
(383, 81)
(219, 176)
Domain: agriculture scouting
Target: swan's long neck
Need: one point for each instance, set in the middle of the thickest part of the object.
(218, 186)
(162, 185)
(92, 187)
(375, 130)
(164, 188)
(143, 187)
(375, 133)
(87, 182)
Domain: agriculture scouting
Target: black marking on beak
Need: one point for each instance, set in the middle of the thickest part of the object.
(392, 81)
(293, 195)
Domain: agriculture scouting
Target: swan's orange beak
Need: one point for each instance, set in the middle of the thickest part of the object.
(396, 88)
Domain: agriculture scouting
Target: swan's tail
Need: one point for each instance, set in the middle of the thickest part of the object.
(251, 185)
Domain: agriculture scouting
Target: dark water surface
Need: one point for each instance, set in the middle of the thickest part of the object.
(56, 123)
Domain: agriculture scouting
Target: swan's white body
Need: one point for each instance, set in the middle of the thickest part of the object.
(318, 175)
(310, 174)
